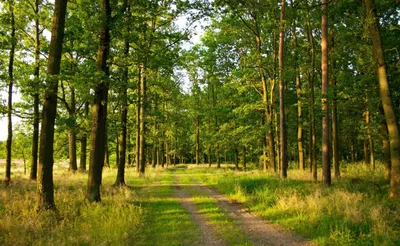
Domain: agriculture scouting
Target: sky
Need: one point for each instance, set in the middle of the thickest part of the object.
(16, 96)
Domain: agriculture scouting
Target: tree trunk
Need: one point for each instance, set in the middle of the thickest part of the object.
(370, 156)
(168, 158)
(236, 158)
(72, 135)
(300, 148)
(283, 131)
(142, 149)
(99, 109)
(386, 98)
(312, 157)
(385, 144)
(335, 131)
(326, 165)
(138, 105)
(244, 158)
(36, 116)
(45, 188)
(217, 156)
(120, 180)
(10, 91)
(82, 163)
(197, 129)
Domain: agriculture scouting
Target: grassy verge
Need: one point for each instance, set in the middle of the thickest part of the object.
(355, 210)
(76, 222)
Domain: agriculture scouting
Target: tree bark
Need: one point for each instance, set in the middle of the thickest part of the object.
(300, 148)
(244, 158)
(312, 157)
(142, 149)
(326, 165)
(386, 98)
(385, 144)
(36, 116)
(10, 91)
(335, 131)
(72, 135)
(120, 180)
(45, 188)
(282, 123)
(236, 158)
(138, 105)
(99, 109)
(82, 163)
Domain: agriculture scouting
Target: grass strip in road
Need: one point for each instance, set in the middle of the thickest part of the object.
(225, 227)
(165, 221)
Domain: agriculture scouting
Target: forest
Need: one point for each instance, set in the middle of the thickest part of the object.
(200, 122)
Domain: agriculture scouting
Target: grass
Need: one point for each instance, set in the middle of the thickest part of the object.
(224, 226)
(355, 210)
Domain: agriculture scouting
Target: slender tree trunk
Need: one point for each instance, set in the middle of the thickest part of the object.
(217, 156)
(162, 154)
(138, 105)
(10, 91)
(168, 158)
(197, 129)
(300, 148)
(236, 158)
(244, 158)
(312, 156)
(209, 157)
(82, 163)
(36, 116)
(154, 158)
(45, 188)
(142, 149)
(120, 180)
(326, 165)
(370, 156)
(72, 135)
(335, 131)
(386, 98)
(383, 130)
(99, 109)
(268, 113)
(283, 131)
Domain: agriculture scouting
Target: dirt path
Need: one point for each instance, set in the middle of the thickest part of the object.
(207, 232)
(258, 231)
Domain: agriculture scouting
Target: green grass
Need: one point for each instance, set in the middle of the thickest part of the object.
(225, 227)
(355, 210)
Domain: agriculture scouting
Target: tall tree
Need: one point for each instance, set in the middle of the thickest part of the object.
(326, 165)
(282, 113)
(120, 180)
(10, 92)
(385, 96)
(36, 116)
(45, 171)
(99, 108)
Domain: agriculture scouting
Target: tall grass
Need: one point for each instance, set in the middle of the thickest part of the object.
(76, 222)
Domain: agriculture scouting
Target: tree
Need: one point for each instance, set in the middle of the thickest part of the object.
(326, 165)
(385, 96)
(283, 131)
(10, 92)
(45, 171)
(99, 108)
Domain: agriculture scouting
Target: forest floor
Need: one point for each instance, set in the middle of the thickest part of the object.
(190, 205)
